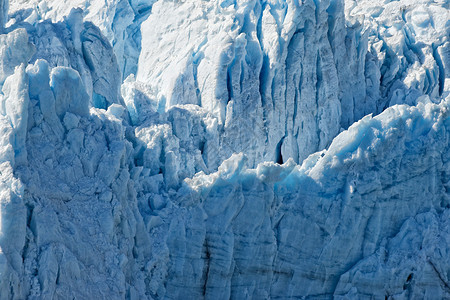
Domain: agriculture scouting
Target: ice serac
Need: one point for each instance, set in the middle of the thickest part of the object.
(80, 46)
(265, 70)
(282, 78)
(408, 40)
(118, 20)
(13, 228)
(70, 222)
(15, 50)
(255, 149)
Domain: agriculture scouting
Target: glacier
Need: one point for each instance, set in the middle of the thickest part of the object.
(264, 149)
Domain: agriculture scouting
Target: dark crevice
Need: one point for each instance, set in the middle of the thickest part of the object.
(278, 155)
(58, 275)
(441, 77)
(229, 85)
(197, 89)
(201, 147)
(207, 265)
(408, 281)
(144, 10)
(319, 78)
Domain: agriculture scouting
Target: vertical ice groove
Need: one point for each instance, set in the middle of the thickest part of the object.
(4, 7)
(441, 69)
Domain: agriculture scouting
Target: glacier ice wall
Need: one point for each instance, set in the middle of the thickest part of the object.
(119, 21)
(293, 74)
(297, 229)
(262, 68)
(122, 124)
(71, 208)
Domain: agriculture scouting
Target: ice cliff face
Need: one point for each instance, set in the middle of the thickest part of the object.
(247, 149)
(119, 21)
(292, 74)
(262, 68)
(334, 226)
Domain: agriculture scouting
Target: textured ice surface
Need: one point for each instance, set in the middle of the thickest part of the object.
(252, 69)
(292, 231)
(409, 39)
(224, 149)
(119, 20)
